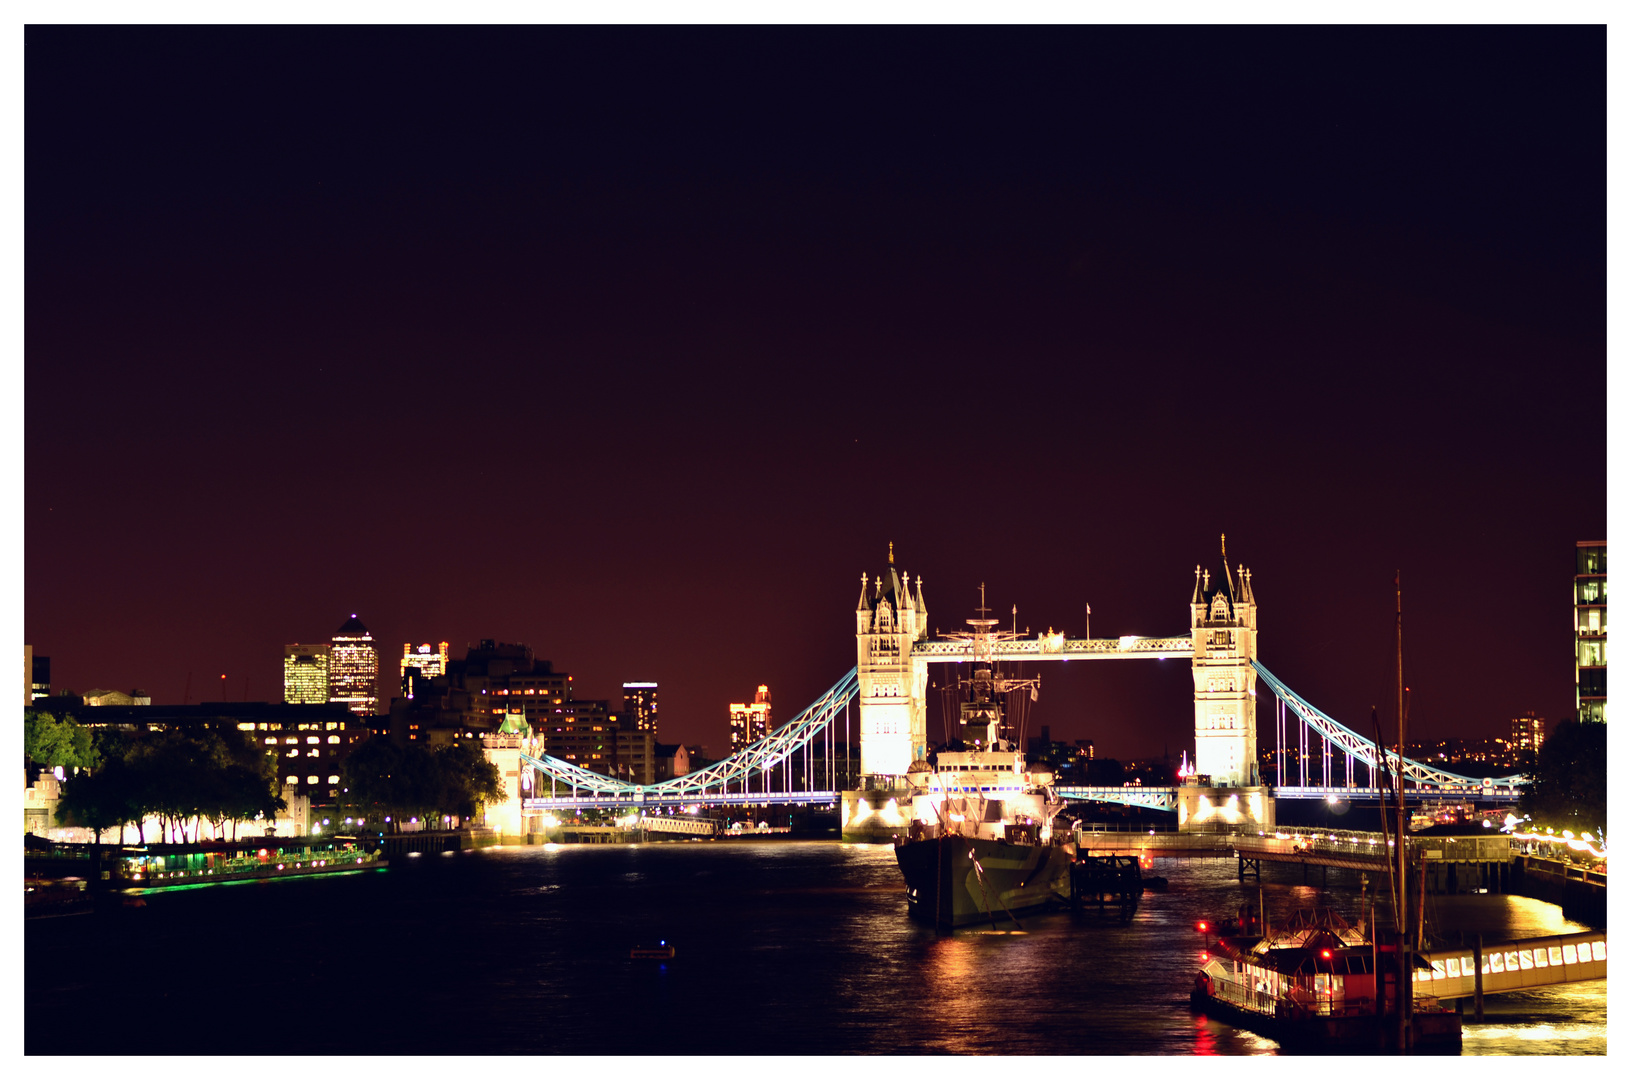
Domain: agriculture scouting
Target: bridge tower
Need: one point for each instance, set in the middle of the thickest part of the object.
(1223, 621)
(889, 619)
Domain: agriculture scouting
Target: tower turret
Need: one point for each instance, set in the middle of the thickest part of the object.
(1223, 623)
(894, 728)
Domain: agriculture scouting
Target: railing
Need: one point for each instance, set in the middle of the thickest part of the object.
(1153, 798)
(1247, 998)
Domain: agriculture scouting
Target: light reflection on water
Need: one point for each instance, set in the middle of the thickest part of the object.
(783, 947)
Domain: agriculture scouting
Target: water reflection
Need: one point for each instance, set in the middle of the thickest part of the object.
(813, 932)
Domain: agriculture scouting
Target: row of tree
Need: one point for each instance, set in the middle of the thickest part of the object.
(181, 778)
(225, 777)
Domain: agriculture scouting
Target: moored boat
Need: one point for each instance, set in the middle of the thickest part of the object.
(980, 845)
(1313, 984)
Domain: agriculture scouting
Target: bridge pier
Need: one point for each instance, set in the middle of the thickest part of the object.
(874, 815)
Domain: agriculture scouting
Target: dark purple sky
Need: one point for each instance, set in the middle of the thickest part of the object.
(641, 345)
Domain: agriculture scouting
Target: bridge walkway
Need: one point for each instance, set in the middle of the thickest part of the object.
(1452, 863)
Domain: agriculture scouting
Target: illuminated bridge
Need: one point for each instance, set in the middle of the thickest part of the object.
(795, 765)
(887, 689)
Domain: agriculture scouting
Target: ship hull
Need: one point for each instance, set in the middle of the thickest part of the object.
(945, 887)
(1430, 1032)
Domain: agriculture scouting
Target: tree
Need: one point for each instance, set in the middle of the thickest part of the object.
(49, 742)
(1566, 783)
(414, 781)
(469, 780)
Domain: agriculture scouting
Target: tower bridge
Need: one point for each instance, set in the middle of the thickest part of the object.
(883, 700)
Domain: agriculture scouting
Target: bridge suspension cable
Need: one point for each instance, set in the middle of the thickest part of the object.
(1359, 748)
(735, 775)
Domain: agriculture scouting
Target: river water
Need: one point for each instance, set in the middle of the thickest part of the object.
(783, 947)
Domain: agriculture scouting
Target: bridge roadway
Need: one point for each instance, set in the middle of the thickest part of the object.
(1504, 790)
(1515, 965)
(1057, 647)
(649, 800)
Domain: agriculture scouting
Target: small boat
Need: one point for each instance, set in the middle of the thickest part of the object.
(1313, 984)
(660, 951)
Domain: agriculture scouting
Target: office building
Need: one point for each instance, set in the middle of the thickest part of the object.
(1591, 630)
(1528, 732)
(40, 687)
(640, 702)
(104, 698)
(750, 722)
(305, 674)
(353, 668)
(429, 664)
(497, 685)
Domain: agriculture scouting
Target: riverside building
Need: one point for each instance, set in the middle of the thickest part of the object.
(1591, 630)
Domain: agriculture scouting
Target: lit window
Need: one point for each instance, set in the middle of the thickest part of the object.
(313, 739)
(311, 779)
(334, 779)
(271, 742)
(329, 726)
(246, 727)
(291, 779)
(291, 739)
(313, 753)
(333, 738)
(294, 753)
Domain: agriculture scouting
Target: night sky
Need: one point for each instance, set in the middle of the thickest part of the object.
(641, 345)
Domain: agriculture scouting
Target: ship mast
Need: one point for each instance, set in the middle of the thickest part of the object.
(987, 682)
(1401, 910)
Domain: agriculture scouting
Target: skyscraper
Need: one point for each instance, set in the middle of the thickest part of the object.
(750, 722)
(1591, 630)
(305, 674)
(353, 668)
(640, 702)
(430, 664)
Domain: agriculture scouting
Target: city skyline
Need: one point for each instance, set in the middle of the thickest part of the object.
(1048, 310)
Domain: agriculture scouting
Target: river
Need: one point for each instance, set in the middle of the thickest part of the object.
(783, 947)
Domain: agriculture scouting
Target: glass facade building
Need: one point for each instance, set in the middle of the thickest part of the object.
(305, 674)
(353, 668)
(1591, 630)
